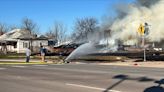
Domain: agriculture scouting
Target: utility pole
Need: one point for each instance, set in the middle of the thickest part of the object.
(146, 32)
(141, 31)
(144, 47)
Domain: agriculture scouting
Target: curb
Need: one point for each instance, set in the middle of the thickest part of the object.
(30, 63)
(132, 65)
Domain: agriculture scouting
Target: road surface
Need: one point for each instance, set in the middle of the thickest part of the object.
(80, 78)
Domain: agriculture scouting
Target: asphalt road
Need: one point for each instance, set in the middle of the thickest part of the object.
(80, 78)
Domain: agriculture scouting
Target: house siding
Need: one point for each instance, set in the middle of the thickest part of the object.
(21, 47)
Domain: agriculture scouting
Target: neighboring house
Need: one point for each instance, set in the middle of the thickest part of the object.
(18, 40)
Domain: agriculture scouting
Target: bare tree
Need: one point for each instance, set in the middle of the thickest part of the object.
(3, 28)
(57, 32)
(29, 25)
(50, 34)
(12, 27)
(83, 27)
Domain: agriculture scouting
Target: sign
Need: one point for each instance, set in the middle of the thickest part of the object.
(141, 29)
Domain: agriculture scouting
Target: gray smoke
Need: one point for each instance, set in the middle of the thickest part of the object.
(151, 11)
(121, 10)
(147, 3)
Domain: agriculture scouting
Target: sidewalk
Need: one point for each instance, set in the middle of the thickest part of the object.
(23, 61)
(19, 60)
(155, 64)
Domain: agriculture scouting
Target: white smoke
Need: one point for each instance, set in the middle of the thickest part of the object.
(126, 28)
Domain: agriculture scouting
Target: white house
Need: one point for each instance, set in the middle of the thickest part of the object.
(18, 40)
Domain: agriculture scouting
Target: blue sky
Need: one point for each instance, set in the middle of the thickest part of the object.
(45, 12)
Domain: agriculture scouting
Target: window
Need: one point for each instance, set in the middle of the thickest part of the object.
(51, 43)
(25, 45)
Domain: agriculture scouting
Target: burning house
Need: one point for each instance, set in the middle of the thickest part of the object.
(127, 37)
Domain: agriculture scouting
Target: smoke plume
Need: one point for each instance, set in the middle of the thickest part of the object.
(149, 11)
(146, 3)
